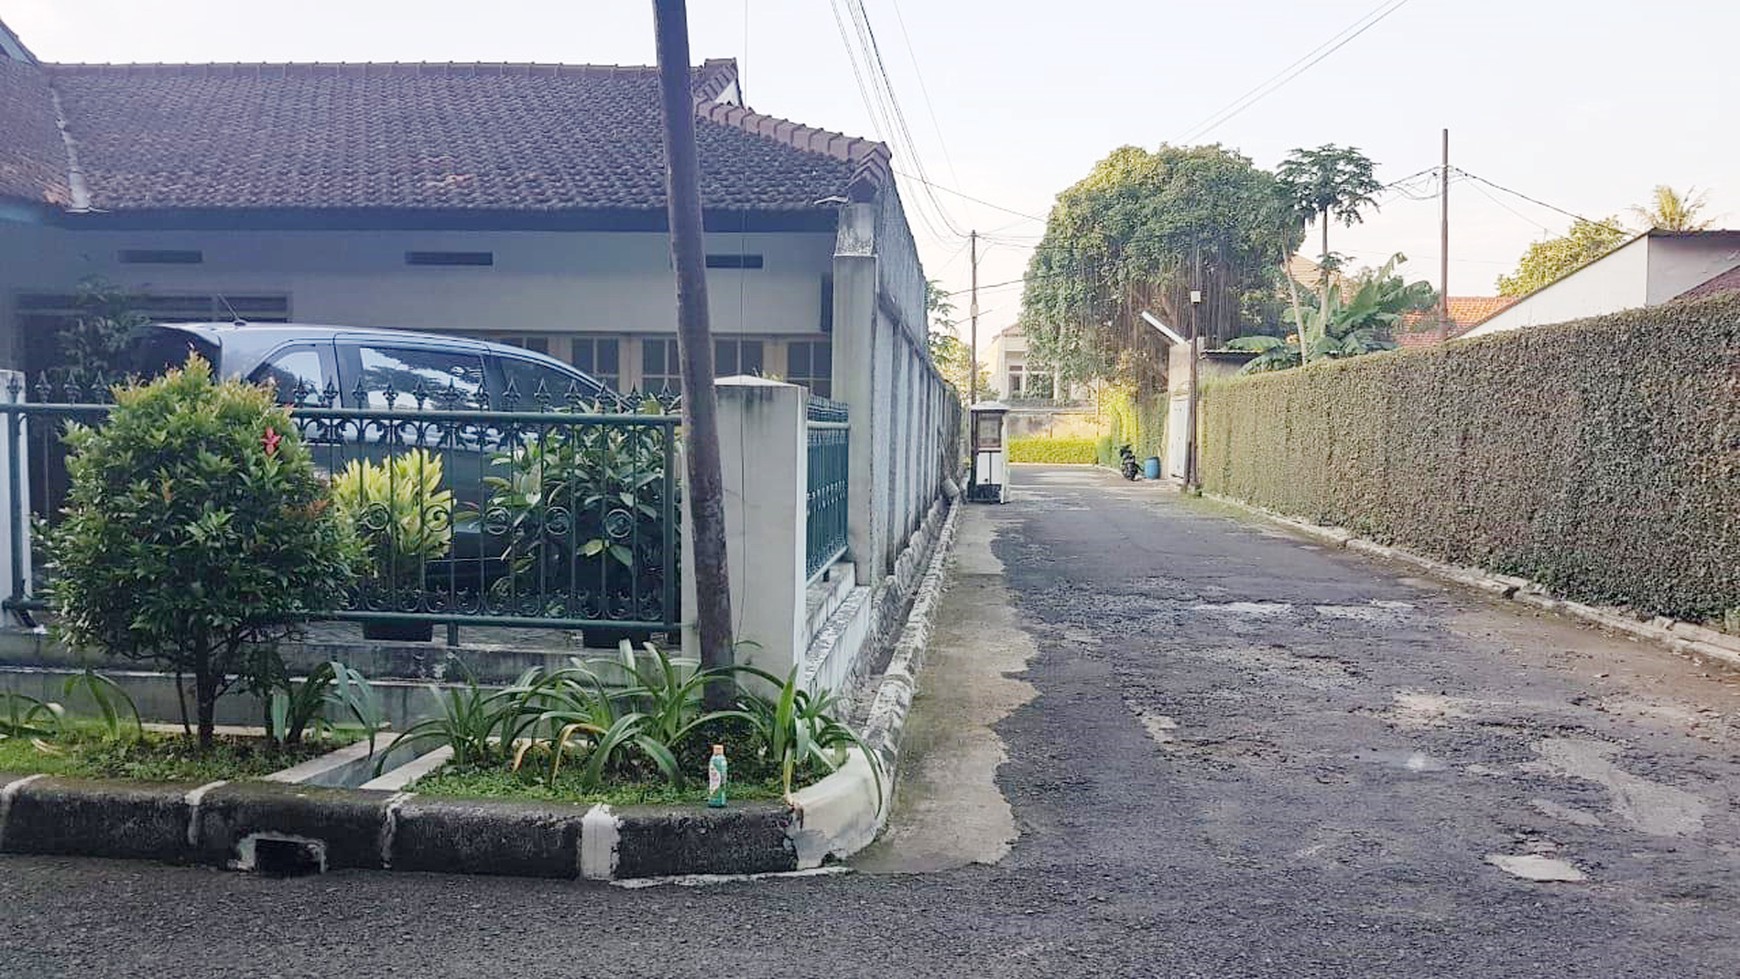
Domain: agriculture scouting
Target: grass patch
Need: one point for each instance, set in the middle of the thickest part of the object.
(155, 757)
(527, 785)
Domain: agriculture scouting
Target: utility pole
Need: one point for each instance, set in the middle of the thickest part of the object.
(1192, 481)
(973, 331)
(1444, 244)
(704, 484)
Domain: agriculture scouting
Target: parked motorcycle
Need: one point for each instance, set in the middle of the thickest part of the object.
(1128, 465)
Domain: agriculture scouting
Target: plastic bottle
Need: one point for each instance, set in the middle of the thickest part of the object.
(716, 771)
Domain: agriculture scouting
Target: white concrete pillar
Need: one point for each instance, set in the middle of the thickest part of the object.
(764, 458)
(855, 379)
(14, 508)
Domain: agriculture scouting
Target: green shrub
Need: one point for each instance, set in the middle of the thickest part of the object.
(1597, 457)
(1106, 451)
(195, 528)
(1061, 451)
(398, 510)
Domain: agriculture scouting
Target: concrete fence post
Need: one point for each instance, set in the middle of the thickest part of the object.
(764, 456)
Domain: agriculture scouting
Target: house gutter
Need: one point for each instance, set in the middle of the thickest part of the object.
(75, 175)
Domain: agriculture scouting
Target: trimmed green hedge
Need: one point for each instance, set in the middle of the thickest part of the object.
(1600, 457)
(1068, 451)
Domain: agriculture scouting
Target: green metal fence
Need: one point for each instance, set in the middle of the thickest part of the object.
(562, 516)
(826, 522)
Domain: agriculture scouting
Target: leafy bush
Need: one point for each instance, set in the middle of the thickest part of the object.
(1053, 450)
(195, 528)
(1607, 478)
(614, 722)
(399, 511)
(582, 511)
(1105, 451)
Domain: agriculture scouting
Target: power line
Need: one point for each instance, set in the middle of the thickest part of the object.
(1294, 70)
(929, 103)
(1538, 202)
(969, 197)
(872, 49)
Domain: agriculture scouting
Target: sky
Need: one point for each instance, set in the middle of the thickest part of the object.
(1583, 105)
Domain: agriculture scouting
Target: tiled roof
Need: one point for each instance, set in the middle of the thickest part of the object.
(33, 161)
(1728, 281)
(421, 136)
(1420, 329)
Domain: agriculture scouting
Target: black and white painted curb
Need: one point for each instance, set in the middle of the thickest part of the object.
(288, 825)
(1686, 638)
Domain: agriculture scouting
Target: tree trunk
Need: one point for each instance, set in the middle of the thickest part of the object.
(705, 488)
(1323, 280)
(1298, 313)
(206, 698)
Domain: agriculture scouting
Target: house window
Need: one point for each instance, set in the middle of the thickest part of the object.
(450, 258)
(811, 364)
(659, 370)
(160, 256)
(1015, 379)
(732, 357)
(600, 357)
(734, 261)
(536, 344)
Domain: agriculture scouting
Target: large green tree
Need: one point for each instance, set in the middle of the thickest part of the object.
(1553, 259)
(1139, 233)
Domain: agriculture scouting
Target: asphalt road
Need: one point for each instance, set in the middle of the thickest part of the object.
(1241, 755)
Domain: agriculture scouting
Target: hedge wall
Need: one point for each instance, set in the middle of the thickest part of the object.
(1599, 457)
(1140, 421)
(1070, 451)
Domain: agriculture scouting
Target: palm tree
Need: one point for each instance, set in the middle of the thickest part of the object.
(1329, 182)
(1670, 210)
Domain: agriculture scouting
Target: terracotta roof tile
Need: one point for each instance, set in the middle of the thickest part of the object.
(418, 136)
(33, 160)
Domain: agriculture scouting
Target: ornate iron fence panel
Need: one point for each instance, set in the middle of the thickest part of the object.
(826, 520)
(561, 516)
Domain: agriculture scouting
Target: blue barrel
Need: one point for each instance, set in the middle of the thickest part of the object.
(1151, 467)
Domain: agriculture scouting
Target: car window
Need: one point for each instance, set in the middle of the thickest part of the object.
(527, 375)
(287, 371)
(404, 368)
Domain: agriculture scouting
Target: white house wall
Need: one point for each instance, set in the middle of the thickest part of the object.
(558, 282)
(1679, 263)
(1617, 281)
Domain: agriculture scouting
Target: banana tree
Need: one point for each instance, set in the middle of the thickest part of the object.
(1357, 324)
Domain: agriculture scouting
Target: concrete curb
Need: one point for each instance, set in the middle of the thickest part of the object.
(843, 813)
(280, 826)
(1685, 638)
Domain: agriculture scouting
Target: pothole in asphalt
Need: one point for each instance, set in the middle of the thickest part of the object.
(1314, 673)
(1374, 613)
(1537, 867)
(1403, 758)
(1244, 609)
(1650, 807)
(1569, 814)
(1423, 710)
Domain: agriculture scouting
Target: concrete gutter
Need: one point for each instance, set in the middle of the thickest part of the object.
(1684, 638)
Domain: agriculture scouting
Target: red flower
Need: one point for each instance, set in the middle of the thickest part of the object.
(270, 440)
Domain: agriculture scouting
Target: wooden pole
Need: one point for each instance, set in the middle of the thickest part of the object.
(973, 330)
(1444, 244)
(704, 484)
